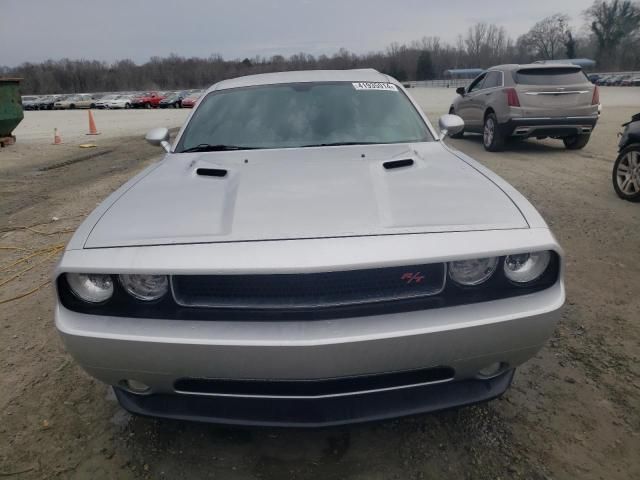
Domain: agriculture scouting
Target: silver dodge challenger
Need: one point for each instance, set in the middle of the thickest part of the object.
(308, 252)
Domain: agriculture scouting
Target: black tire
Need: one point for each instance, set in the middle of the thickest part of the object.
(460, 134)
(576, 142)
(92, 106)
(492, 137)
(147, 105)
(127, 106)
(626, 174)
(72, 106)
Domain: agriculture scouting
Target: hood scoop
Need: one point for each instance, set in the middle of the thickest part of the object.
(211, 172)
(397, 164)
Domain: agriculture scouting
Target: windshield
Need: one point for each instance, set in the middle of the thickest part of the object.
(305, 114)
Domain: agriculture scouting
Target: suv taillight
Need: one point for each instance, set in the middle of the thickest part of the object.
(596, 96)
(512, 97)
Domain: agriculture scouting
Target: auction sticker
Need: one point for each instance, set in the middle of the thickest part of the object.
(387, 87)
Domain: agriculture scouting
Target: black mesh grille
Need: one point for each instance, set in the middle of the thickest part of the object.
(327, 289)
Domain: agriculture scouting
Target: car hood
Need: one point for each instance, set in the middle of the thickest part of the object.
(304, 193)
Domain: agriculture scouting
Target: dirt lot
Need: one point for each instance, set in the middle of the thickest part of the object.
(572, 412)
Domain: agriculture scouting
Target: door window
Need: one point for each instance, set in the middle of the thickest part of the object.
(494, 79)
(477, 83)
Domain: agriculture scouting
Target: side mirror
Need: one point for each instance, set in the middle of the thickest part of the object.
(450, 125)
(461, 91)
(159, 137)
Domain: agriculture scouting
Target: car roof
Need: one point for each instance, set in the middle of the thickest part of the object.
(516, 66)
(303, 76)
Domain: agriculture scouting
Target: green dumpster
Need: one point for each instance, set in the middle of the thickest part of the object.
(11, 113)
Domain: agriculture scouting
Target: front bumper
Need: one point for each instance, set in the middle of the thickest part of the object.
(550, 126)
(316, 412)
(160, 353)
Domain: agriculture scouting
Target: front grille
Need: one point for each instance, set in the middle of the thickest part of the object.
(309, 290)
(326, 387)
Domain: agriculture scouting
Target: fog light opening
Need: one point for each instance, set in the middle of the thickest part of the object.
(134, 386)
(492, 370)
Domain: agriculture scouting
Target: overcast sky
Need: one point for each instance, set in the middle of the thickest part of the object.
(36, 30)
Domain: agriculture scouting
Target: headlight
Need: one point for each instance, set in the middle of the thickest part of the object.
(145, 287)
(472, 272)
(91, 287)
(526, 267)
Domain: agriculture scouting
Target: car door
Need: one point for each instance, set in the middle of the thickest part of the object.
(466, 105)
(492, 84)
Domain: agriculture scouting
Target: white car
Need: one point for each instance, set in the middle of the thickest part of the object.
(115, 101)
(309, 252)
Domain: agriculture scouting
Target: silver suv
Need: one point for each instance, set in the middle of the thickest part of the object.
(538, 100)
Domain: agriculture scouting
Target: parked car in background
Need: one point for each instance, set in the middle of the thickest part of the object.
(83, 100)
(173, 100)
(120, 102)
(102, 101)
(146, 100)
(47, 102)
(115, 101)
(594, 78)
(191, 99)
(626, 81)
(522, 101)
(28, 98)
(315, 255)
(30, 102)
(626, 169)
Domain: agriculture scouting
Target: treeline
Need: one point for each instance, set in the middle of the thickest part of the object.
(611, 36)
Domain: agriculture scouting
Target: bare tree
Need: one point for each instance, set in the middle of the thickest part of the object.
(546, 40)
(612, 23)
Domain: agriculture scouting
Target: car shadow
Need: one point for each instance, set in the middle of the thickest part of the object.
(528, 145)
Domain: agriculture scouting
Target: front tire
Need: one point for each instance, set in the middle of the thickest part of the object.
(492, 137)
(626, 174)
(576, 142)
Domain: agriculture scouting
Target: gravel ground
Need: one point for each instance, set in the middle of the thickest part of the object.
(572, 412)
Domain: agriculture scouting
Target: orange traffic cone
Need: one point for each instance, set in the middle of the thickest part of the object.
(92, 125)
(57, 139)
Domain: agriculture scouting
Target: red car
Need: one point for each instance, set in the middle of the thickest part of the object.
(191, 99)
(147, 100)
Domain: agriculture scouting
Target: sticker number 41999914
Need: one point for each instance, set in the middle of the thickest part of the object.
(387, 87)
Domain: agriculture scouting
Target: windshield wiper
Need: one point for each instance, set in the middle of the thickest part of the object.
(338, 144)
(206, 147)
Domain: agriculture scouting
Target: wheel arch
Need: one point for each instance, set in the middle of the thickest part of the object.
(487, 111)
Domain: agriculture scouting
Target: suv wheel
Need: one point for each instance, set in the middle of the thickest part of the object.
(492, 137)
(576, 142)
(626, 174)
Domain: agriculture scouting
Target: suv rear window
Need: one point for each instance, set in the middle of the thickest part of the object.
(550, 76)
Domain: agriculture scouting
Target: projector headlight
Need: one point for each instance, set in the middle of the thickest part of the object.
(526, 267)
(472, 272)
(91, 287)
(145, 287)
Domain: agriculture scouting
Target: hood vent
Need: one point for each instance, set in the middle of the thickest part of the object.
(397, 164)
(211, 172)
